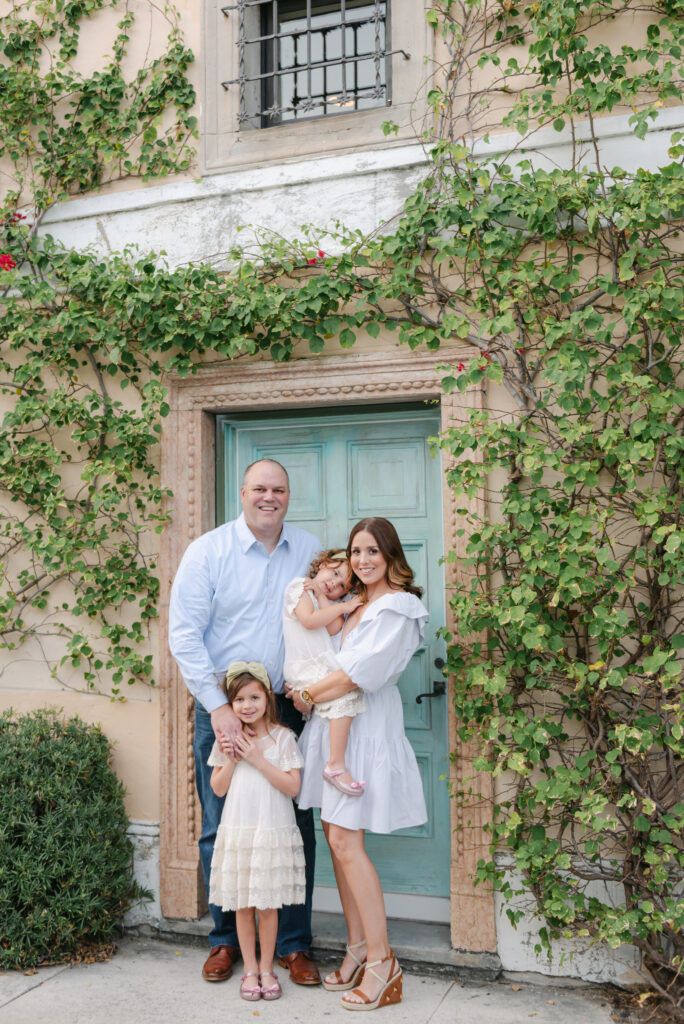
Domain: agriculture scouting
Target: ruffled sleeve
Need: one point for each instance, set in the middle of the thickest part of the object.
(289, 755)
(217, 758)
(293, 593)
(381, 646)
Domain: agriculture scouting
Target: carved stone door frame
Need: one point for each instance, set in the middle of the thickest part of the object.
(188, 470)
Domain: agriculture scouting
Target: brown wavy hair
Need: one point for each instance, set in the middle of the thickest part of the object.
(237, 684)
(398, 573)
(327, 558)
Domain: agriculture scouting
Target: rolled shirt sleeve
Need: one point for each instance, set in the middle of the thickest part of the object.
(385, 643)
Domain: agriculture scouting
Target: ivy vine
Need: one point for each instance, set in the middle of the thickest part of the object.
(567, 282)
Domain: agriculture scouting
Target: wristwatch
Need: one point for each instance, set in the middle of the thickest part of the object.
(306, 697)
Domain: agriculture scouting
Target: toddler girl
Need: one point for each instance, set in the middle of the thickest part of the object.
(312, 614)
(258, 860)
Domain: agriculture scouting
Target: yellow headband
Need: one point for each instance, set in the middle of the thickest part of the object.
(339, 556)
(251, 668)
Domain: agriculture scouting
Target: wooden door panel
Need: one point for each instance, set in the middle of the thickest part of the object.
(388, 476)
(344, 467)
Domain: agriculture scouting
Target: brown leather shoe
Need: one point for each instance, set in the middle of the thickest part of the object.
(219, 963)
(303, 970)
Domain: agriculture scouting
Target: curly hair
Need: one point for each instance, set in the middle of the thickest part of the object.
(399, 573)
(331, 556)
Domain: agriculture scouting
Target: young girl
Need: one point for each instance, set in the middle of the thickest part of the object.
(312, 614)
(258, 860)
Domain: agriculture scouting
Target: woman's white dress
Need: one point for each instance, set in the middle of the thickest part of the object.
(310, 655)
(258, 858)
(373, 655)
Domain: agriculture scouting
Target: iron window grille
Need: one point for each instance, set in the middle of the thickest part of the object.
(302, 59)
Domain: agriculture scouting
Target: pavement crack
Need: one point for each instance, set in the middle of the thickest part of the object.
(444, 995)
(31, 986)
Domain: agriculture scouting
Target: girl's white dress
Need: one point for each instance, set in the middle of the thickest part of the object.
(310, 655)
(373, 655)
(258, 858)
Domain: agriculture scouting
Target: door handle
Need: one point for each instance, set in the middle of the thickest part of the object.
(439, 691)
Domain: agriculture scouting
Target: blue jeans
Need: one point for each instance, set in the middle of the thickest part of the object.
(294, 922)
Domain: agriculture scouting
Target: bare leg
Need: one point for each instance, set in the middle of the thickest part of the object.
(268, 929)
(246, 929)
(351, 916)
(363, 884)
(339, 734)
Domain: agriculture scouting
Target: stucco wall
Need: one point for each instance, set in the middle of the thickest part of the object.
(196, 220)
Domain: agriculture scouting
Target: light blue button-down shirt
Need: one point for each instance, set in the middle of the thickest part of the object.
(227, 604)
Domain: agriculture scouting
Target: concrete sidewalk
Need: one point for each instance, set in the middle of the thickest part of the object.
(152, 982)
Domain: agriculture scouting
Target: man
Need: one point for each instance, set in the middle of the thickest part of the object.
(227, 605)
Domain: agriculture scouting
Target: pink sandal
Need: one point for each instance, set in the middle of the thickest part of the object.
(273, 991)
(355, 789)
(250, 994)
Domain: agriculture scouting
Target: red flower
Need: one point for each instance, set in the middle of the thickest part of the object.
(6, 261)
(486, 354)
(460, 367)
(18, 216)
(312, 263)
(321, 254)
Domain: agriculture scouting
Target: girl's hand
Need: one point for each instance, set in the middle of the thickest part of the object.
(309, 584)
(227, 746)
(248, 750)
(354, 602)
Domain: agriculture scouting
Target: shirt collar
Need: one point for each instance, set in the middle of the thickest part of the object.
(246, 538)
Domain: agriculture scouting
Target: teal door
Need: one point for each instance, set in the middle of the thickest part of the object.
(344, 466)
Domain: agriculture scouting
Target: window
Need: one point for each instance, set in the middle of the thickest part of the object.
(285, 79)
(309, 58)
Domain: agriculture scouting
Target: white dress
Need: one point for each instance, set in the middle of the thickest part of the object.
(373, 655)
(258, 858)
(310, 655)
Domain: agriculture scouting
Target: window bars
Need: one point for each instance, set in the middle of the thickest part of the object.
(301, 59)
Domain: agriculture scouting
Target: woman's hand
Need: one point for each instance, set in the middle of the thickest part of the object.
(293, 695)
(302, 707)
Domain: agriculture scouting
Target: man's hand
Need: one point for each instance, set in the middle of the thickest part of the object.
(227, 727)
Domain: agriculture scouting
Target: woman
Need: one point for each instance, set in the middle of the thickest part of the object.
(376, 643)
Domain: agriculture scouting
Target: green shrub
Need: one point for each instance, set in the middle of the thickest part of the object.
(65, 860)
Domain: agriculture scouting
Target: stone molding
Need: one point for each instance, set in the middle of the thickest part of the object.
(188, 470)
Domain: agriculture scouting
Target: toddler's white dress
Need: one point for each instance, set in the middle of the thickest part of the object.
(373, 654)
(309, 655)
(258, 858)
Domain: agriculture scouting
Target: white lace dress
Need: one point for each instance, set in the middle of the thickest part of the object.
(373, 654)
(258, 858)
(309, 655)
